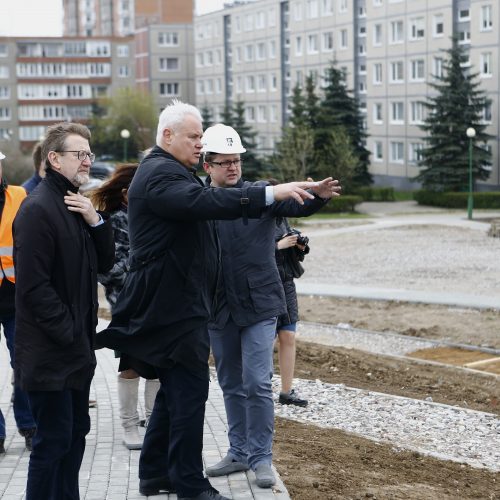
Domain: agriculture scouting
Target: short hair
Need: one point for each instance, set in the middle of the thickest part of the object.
(37, 156)
(173, 115)
(109, 196)
(56, 135)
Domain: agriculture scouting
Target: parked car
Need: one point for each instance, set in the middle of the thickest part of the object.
(101, 169)
(91, 185)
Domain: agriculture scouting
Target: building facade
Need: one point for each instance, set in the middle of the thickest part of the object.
(391, 50)
(47, 80)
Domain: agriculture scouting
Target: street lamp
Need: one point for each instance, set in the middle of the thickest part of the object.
(125, 134)
(471, 133)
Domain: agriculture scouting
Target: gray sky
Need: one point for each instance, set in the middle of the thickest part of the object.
(44, 17)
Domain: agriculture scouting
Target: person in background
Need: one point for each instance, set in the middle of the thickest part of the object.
(11, 198)
(166, 302)
(286, 253)
(39, 165)
(250, 297)
(112, 198)
(60, 244)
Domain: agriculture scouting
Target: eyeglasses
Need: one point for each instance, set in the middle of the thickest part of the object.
(81, 155)
(227, 163)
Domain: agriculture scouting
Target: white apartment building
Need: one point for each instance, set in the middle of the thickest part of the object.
(390, 49)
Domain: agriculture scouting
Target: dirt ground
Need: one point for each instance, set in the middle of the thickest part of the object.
(317, 463)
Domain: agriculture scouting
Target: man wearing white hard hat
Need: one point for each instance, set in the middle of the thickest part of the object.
(250, 297)
(11, 198)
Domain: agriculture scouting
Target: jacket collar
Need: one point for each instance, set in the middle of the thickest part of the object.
(157, 151)
(59, 182)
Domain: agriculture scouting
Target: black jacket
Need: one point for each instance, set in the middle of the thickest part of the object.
(251, 290)
(57, 257)
(174, 262)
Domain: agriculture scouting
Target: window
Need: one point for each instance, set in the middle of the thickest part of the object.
(169, 64)
(486, 22)
(377, 35)
(438, 25)
(397, 32)
(4, 52)
(273, 83)
(170, 88)
(209, 59)
(271, 18)
(4, 72)
(272, 49)
(378, 151)
(415, 152)
(248, 24)
(397, 152)
(218, 86)
(464, 15)
(327, 41)
(273, 115)
(250, 83)
(4, 92)
(487, 113)
(261, 114)
(312, 9)
(312, 44)
(343, 39)
(327, 7)
(122, 51)
(417, 28)
(297, 11)
(260, 20)
(298, 46)
(417, 112)
(362, 49)
(299, 77)
(362, 31)
(4, 114)
(377, 73)
(261, 51)
(417, 70)
(485, 68)
(438, 67)
(168, 39)
(397, 72)
(464, 37)
(378, 116)
(261, 83)
(397, 112)
(249, 53)
(200, 87)
(238, 55)
(200, 59)
(123, 71)
(377, 3)
(342, 5)
(250, 113)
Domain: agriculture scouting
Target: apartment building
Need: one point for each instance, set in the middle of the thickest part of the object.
(390, 50)
(47, 80)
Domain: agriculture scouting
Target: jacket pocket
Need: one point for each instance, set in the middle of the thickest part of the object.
(266, 291)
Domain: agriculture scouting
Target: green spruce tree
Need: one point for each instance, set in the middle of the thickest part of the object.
(457, 105)
(207, 116)
(339, 108)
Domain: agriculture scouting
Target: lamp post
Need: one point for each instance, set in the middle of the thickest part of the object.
(125, 134)
(471, 133)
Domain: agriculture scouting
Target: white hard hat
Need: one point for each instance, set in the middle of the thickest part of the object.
(2, 156)
(221, 139)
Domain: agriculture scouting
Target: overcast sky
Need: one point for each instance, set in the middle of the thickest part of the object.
(44, 17)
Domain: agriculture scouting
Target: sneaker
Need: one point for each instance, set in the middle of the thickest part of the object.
(210, 494)
(226, 466)
(292, 399)
(264, 475)
(155, 486)
(28, 437)
(2, 447)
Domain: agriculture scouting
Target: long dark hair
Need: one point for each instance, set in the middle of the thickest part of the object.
(109, 197)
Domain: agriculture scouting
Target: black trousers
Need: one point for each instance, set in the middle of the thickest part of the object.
(174, 437)
(62, 420)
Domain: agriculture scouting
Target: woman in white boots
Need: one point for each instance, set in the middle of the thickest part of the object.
(112, 198)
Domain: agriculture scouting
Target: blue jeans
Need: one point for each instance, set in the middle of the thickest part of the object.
(22, 411)
(244, 362)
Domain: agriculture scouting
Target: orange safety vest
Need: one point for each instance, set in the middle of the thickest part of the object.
(14, 195)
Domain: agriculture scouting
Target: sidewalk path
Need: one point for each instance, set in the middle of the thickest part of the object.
(110, 471)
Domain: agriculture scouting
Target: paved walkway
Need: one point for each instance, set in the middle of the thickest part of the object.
(110, 471)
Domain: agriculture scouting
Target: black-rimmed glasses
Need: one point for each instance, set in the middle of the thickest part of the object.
(227, 163)
(81, 155)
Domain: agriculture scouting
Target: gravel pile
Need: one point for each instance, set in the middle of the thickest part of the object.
(413, 257)
(378, 343)
(441, 431)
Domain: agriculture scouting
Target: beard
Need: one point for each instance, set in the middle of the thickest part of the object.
(80, 179)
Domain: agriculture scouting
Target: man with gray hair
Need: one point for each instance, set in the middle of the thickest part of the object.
(162, 312)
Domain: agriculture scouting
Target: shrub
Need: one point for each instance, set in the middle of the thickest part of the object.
(457, 200)
(376, 194)
(342, 203)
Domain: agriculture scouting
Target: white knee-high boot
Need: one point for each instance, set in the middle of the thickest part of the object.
(128, 390)
(151, 388)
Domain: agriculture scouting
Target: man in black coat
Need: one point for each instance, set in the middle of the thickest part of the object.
(60, 244)
(249, 299)
(162, 312)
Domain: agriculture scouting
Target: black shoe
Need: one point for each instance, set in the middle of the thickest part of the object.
(2, 447)
(292, 399)
(210, 494)
(155, 486)
(28, 437)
